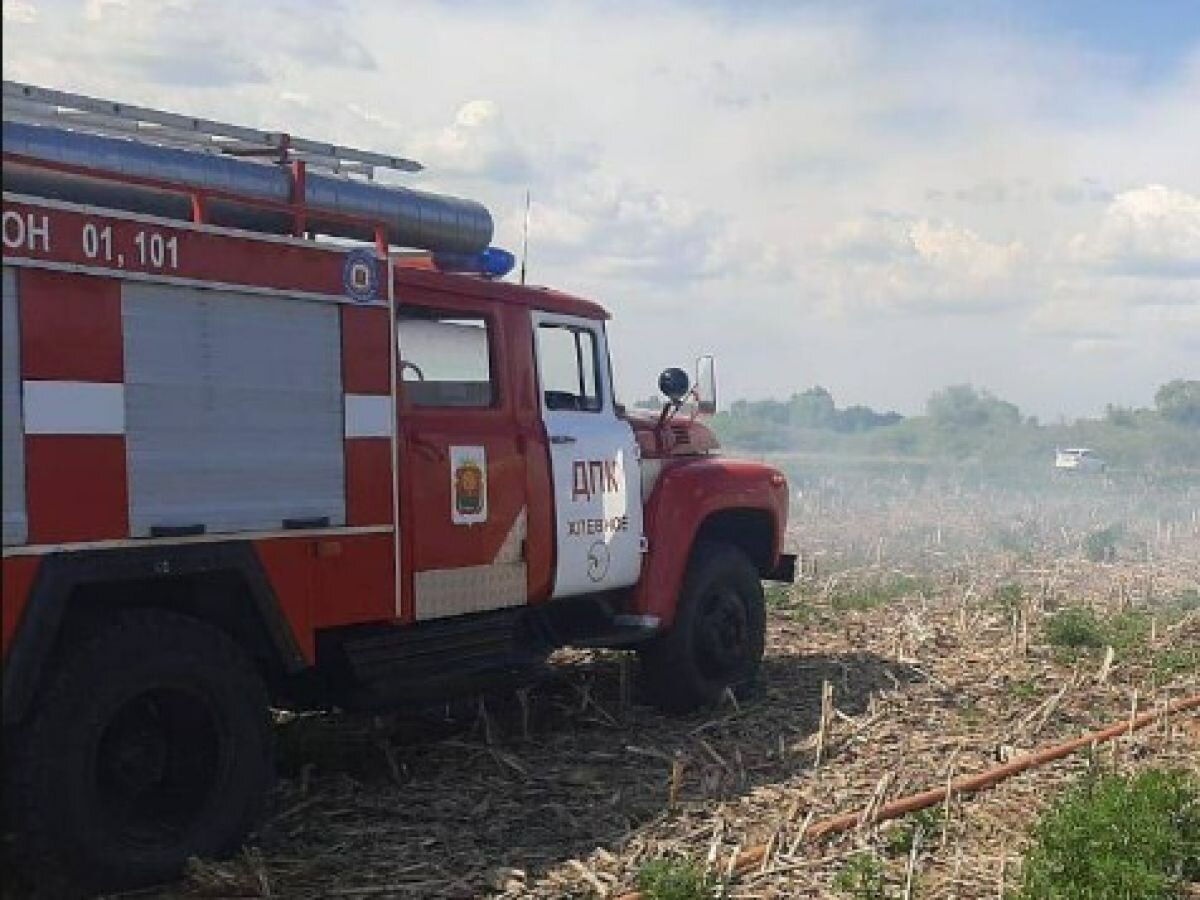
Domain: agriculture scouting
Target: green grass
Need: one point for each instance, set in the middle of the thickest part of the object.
(929, 822)
(1024, 689)
(1176, 661)
(1186, 601)
(1075, 628)
(1101, 544)
(971, 714)
(1009, 598)
(1127, 630)
(789, 602)
(876, 592)
(777, 596)
(862, 878)
(1079, 628)
(1114, 838)
(675, 879)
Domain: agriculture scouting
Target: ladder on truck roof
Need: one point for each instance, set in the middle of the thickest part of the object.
(42, 106)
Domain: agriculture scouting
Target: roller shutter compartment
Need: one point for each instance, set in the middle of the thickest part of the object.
(13, 448)
(233, 410)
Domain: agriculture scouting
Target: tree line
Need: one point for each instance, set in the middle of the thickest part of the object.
(964, 420)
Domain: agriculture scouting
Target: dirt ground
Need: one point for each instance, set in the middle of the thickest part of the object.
(925, 615)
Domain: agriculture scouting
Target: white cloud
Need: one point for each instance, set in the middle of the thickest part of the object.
(728, 178)
(95, 10)
(607, 227)
(478, 144)
(1102, 346)
(297, 97)
(624, 230)
(20, 12)
(738, 252)
(1076, 314)
(559, 227)
(1149, 231)
(922, 265)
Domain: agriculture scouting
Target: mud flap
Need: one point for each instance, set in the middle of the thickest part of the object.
(785, 569)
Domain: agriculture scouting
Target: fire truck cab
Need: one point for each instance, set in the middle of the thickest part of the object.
(248, 467)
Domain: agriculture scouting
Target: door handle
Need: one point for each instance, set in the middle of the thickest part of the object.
(562, 439)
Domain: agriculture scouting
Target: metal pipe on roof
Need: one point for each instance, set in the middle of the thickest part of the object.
(413, 218)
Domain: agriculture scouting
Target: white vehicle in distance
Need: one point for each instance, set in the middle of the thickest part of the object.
(1078, 459)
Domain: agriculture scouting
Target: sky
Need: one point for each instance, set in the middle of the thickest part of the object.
(881, 198)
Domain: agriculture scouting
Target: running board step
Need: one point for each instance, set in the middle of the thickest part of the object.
(624, 631)
(458, 645)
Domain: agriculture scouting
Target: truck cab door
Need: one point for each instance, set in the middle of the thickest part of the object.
(463, 487)
(593, 459)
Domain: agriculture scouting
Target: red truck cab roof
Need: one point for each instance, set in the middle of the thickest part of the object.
(528, 296)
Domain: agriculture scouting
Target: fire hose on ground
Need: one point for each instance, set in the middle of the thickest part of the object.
(748, 859)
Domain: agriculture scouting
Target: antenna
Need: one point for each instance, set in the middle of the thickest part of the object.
(525, 238)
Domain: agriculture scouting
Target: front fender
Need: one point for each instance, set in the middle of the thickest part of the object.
(686, 493)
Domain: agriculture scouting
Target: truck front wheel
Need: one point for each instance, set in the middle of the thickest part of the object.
(151, 744)
(717, 639)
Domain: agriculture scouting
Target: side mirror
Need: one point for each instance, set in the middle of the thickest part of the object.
(674, 383)
(706, 386)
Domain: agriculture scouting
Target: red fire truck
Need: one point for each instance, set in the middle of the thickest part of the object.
(278, 435)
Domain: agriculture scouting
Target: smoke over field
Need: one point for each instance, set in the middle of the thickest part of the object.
(847, 513)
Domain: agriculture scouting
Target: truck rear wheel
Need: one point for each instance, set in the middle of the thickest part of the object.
(151, 744)
(718, 635)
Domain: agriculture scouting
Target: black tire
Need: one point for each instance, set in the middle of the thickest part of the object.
(151, 744)
(718, 636)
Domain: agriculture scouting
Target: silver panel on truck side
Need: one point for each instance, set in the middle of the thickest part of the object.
(16, 530)
(233, 410)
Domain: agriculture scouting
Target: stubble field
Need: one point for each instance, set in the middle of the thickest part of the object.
(947, 628)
